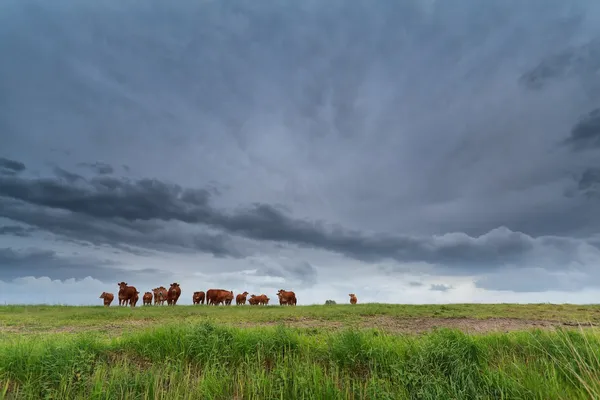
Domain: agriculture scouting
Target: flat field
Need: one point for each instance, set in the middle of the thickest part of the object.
(367, 351)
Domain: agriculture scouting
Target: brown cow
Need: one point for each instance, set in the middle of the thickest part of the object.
(253, 300)
(160, 295)
(198, 297)
(122, 300)
(240, 299)
(128, 294)
(216, 296)
(286, 297)
(147, 299)
(262, 299)
(108, 298)
(173, 294)
(229, 298)
(353, 298)
(136, 298)
(223, 297)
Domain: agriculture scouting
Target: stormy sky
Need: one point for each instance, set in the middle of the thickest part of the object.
(415, 151)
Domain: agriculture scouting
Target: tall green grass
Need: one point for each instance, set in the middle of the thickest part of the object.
(208, 361)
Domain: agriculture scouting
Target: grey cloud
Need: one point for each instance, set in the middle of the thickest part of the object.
(136, 202)
(40, 263)
(16, 230)
(589, 183)
(403, 122)
(10, 167)
(136, 237)
(303, 274)
(574, 61)
(440, 287)
(586, 133)
(101, 168)
(66, 175)
(415, 284)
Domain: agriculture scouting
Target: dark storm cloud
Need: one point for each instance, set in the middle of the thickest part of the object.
(40, 263)
(578, 61)
(10, 167)
(140, 205)
(586, 133)
(440, 288)
(129, 236)
(100, 168)
(408, 119)
(16, 230)
(589, 183)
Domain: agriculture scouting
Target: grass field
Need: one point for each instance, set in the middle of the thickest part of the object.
(368, 351)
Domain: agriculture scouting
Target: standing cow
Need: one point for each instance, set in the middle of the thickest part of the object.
(198, 297)
(173, 294)
(128, 294)
(216, 296)
(160, 295)
(147, 299)
(240, 299)
(108, 298)
(353, 299)
(229, 298)
(286, 297)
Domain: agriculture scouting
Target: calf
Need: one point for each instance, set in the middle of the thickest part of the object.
(198, 297)
(108, 298)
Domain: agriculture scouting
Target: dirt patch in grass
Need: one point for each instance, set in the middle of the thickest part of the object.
(386, 323)
(422, 325)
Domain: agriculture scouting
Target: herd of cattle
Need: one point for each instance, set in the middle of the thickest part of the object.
(129, 295)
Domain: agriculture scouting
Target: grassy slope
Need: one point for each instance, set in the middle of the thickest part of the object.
(190, 352)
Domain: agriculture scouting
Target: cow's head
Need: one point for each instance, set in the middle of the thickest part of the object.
(175, 284)
(102, 295)
(245, 294)
(148, 294)
(122, 285)
(352, 295)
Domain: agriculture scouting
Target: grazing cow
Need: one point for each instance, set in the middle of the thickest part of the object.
(160, 295)
(198, 297)
(147, 299)
(128, 294)
(240, 299)
(173, 294)
(253, 300)
(353, 298)
(216, 296)
(286, 297)
(108, 298)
